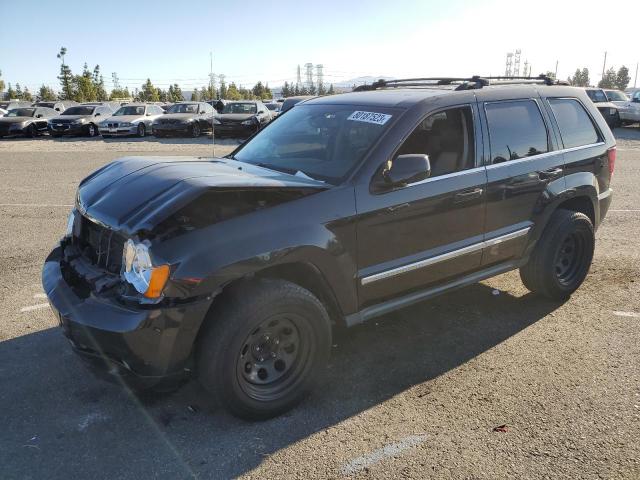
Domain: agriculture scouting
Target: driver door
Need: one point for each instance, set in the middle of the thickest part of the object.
(430, 231)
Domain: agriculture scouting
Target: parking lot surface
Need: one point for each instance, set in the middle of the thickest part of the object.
(483, 383)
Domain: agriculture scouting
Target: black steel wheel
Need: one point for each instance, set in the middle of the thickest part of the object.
(264, 345)
(562, 257)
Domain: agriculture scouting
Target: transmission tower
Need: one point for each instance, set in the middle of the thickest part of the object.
(319, 76)
(116, 81)
(516, 63)
(309, 74)
(526, 68)
(298, 79)
(509, 66)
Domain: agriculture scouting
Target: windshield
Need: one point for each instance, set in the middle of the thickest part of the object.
(597, 96)
(139, 110)
(273, 106)
(46, 104)
(183, 108)
(324, 142)
(616, 96)
(21, 112)
(247, 108)
(79, 111)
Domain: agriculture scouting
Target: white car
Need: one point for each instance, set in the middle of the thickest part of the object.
(3, 112)
(628, 108)
(131, 119)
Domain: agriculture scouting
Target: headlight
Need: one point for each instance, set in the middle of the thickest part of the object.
(140, 272)
(251, 121)
(215, 121)
(71, 221)
(126, 124)
(78, 121)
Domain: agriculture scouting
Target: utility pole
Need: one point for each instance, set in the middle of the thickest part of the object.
(555, 75)
(636, 77)
(604, 64)
(213, 130)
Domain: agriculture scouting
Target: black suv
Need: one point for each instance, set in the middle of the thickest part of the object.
(348, 207)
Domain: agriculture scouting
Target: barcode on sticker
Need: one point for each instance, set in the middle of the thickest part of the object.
(370, 117)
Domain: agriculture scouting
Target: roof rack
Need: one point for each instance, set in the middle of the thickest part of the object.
(462, 83)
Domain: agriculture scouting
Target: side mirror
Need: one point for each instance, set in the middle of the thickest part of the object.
(98, 114)
(260, 112)
(148, 114)
(39, 115)
(406, 169)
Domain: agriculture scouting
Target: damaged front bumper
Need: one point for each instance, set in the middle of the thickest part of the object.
(142, 345)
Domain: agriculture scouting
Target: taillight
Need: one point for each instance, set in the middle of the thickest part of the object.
(611, 153)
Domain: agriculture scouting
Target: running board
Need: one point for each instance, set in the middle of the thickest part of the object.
(416, 297)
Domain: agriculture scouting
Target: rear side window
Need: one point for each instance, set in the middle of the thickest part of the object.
(516, 130)
(576, 128)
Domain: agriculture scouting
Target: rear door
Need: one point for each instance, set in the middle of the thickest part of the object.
(523, 161)
(430, 231)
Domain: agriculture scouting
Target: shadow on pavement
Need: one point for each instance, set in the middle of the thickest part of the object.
(60, 422)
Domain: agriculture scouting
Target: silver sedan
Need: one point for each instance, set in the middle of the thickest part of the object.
(131, 119)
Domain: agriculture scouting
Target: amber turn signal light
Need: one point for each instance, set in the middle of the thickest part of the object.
(159, 277)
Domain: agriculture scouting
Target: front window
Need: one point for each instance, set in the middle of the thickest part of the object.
(274, 107)
(247, 108)
(79, 111)
(183, 108)
(597, 96)
(21, 112)
(324, 142)
(131, 110)
(616, 96)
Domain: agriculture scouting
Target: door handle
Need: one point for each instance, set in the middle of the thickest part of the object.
(468, 195)
(397, 207)
(551, 173)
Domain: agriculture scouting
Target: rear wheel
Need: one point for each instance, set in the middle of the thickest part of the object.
(561, 259)
(261, 357)
(92, 131)
(142, 130)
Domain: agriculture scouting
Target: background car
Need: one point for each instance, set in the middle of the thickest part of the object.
(274, 108)
(29, 121)
(629, 110)
(57, 105)
(289, 102)
(241, 118)
(184, 118)
(608, 110)
(11, 104)
(3, 112)
(79, 120)
(131, 119)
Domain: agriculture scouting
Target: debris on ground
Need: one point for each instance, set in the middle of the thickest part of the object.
(501, 428)
(495, 292)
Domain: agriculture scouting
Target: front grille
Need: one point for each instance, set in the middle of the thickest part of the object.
(100, 245)
(228, 121)
(112, 125)
(169, 121)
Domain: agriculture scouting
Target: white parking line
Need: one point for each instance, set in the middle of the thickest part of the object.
(37, 205)
(34, 307)
(616, 210)
(391, 450)
(627, 314)
(40, 295)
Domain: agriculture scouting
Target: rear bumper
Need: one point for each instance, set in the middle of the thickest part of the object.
(145, 346)
(604, 202)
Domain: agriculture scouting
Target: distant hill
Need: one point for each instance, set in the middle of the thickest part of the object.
(366, 80)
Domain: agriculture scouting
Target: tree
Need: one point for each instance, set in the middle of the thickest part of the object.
(609, 79)
(119, 93)
(26, 95)
(580, 78)
(85, 90)
(208, 92)
(331, 91)
(223, 87)
(149, 92)
(65, 77)
(18, 91)
(258, 90)
(195, 95)
(11, 93)
(1, 83)
(321, 89)
(286, 90)
(267, 91)
(98, 83)
(622, 78)
(46, 94)
(296, 90)
(233, 93)
(312, 89)
(176, 96)
(303, 91)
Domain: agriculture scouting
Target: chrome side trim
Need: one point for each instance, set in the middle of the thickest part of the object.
(605, 194)
(543, 155)
(443, 257)
(446, 175)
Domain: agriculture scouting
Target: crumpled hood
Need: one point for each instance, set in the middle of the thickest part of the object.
(136, 193)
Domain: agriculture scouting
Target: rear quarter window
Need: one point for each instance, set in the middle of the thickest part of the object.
(516, 130)
(576, 127)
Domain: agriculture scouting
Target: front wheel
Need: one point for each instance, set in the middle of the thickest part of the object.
(31, 131)
(195, 130)
(142, 130)
(562, 258)
(92, 131)
(262, 356)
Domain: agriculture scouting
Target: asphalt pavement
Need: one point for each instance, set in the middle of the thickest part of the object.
(487, 382)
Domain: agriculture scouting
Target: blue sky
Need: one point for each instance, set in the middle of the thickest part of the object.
(170, 41)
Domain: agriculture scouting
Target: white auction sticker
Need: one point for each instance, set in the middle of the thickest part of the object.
(370, 117)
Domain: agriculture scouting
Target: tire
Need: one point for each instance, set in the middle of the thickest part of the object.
(92, 131)
(195, 130)
(142, 129)
(31, 131)
(261, 357)
(106, 136)
(562, 258)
